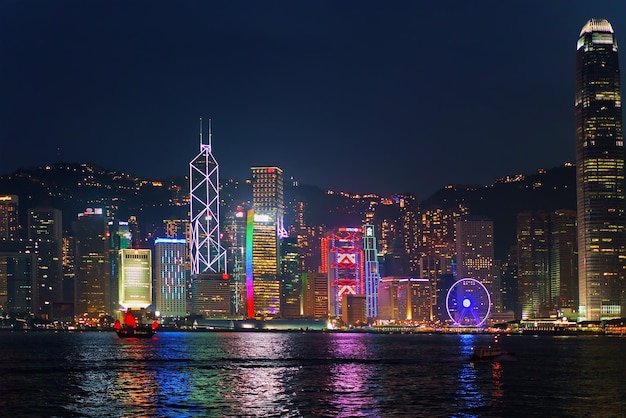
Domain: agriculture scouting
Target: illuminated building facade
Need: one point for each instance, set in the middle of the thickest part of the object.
(437, 247)
(353, 310)
(346, 269)
(372, 272)
(315, 295)
(207, 254)
(290, 279)
(135, 278)
(474, 250)
(171, 277)
(120, 238)
(267, 195)
(265, 222)
(533, 264)
(211, 295)
(600, 175)
(92, 291)
(9, 220)
(235, 244)
(17, 275)
(181, 229)
(405, 299)
(438, 268)
(177, 228)
(45, 231)
(563, 260)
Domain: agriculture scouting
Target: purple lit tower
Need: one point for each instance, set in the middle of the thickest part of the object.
(207, 254)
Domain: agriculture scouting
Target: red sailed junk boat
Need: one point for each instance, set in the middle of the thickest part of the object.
(130, 328)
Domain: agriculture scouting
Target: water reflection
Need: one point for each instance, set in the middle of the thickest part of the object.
(350, 392)
(496, 374)
(468, 395)
(306, 374)
(255, 383)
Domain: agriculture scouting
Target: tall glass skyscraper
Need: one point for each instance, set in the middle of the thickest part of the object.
(599, 174)
(266, 230)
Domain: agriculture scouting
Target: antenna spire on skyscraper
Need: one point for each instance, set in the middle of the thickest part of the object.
(210, 133)
(200, 133)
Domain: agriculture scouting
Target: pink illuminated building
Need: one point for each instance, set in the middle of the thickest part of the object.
(344, 249)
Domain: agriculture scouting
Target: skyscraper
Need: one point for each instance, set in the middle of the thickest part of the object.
(92, 286)
(265, 229)
(474, 250)
(171, 280)
(207, 254)
(45, 230)
(344, 249)
(9, 220)
(599, 174)
(135, 290)
(533, 262)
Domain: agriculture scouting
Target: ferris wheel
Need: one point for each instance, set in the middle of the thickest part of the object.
(468, 303)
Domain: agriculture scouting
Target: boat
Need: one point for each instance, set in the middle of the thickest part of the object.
(490, 352)
(131, 329)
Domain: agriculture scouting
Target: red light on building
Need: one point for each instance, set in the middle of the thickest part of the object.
(224, 276)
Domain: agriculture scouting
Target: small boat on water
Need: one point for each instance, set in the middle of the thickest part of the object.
(131, 329)
(490, 352)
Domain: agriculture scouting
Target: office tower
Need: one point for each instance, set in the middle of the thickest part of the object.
(207, 254)
(92, 284)
(135, 288)
(17, 274)
(181, 229)
(290, 279)
(235, 243)
(264, 232)
(388, 299)
(171, 277)
(563, 261)
(344, 249)
(533, 262)
(474, 250)
(438, 269)
(69, 268)
(135, 233)
(508, 283)
(315, 295)
(405, 299)
(599, 175)
(437, 230)
(500, 292)
(372, 272)
(208, 257)
(177, 228)
(120, 238)
(45, 230)
(211, 295)
(353, 310)
(9, 219)
(310, 245)
(409, 227)
(267, 195)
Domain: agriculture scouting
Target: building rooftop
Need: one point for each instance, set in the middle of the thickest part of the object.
(597, 25)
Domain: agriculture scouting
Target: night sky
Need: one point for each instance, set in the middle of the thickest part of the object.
(360, 96)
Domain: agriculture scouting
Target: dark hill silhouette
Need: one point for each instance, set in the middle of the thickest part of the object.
(74, 187)
(547, 190)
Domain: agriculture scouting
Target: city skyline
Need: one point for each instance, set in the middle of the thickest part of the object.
(299, 86)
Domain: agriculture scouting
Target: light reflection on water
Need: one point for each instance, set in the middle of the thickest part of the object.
(306, 374)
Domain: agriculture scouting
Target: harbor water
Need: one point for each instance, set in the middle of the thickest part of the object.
(310, 374)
